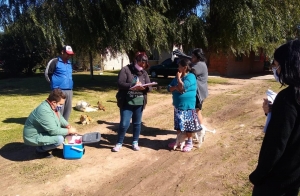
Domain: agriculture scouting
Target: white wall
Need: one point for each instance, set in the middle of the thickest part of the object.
(121, 60)
(115, 63)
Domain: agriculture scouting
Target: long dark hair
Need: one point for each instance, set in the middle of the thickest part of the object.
(288, 57)
(184, 62)
(199, 54)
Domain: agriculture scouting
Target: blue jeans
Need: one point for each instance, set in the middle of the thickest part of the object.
(51, 146)
(127, 112)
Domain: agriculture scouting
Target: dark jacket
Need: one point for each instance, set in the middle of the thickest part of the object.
(279, 158)
(125, 78)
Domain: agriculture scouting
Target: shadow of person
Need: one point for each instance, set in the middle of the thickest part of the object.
(145, 130)
(153, 131)
(154, 144)
(110, 125)
(57, 152)
(109, 140)
(16, 120)
(18, 151)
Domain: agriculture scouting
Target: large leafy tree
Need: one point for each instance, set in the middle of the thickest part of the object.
(23, 46)
(112, 24)
(245, 25)
(95, 26)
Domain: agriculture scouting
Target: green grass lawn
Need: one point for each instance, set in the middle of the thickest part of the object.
(19, 96)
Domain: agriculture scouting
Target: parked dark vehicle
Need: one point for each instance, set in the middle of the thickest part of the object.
(166, 68)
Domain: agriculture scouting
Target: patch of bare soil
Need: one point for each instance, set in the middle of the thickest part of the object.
(220, 167)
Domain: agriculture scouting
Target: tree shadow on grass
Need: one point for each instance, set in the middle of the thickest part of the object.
(37, 85)
(109, 140)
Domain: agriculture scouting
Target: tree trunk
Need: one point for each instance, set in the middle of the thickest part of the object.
(91, 64)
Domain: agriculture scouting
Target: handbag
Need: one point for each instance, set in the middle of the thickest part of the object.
(120, 98)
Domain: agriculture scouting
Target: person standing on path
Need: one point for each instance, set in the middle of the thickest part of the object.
(59, 74)
(183, 88)
(278, 167)
(199, 68)
(132, 100)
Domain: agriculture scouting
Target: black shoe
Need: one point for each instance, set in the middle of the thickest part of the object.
(43, 154)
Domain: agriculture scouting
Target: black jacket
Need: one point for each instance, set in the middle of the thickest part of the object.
(279, 158)
(125, 78)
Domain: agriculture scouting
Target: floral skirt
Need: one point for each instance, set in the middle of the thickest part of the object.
(186, 120)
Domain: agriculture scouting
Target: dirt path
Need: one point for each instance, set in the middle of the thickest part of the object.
(220, 167)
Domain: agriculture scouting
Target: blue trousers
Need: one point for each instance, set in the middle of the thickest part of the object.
(51, 146)
(127, 112)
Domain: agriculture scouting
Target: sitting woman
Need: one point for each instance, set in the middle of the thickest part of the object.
(184, 88)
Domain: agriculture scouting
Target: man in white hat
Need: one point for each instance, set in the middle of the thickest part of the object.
(59, 74)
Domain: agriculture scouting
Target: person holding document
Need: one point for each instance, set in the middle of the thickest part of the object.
(268, 102)
(132, 98)
(267, 106)
(278, 167)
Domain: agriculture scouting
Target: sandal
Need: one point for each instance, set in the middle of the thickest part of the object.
(187, 148)
(172, 144)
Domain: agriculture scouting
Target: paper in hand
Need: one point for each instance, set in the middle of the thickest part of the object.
(144, 85)
(271, 97)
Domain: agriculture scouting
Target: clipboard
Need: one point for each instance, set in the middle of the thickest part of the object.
(144, 85)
